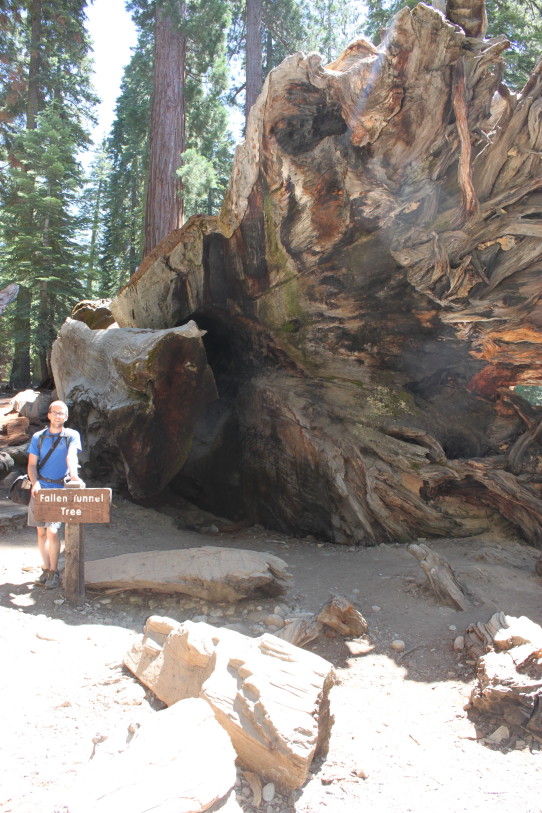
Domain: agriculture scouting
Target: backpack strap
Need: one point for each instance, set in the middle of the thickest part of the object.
(48, 455)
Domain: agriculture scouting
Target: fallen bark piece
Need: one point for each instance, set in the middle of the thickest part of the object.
(180, 760)
(509, 676)
(442, 578)
(300, 631)
(213, 573)
(340, 615)
(271, 697)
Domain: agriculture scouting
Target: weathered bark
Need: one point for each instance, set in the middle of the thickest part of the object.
(271, 697)
(8, 295)
(371, 292)
(136, 395)
(216, 574)
(441, 577)
(164, 201)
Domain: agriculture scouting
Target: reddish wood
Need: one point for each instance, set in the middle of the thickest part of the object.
(164, 203)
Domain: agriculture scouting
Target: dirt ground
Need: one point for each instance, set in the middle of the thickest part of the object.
(402, 739)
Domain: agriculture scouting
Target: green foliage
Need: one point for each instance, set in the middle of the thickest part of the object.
(331, 25)
(121, 238)
(521, 22)
(47, 102)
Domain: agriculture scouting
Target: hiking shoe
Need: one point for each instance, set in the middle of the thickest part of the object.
(43, 578)
(53, 580)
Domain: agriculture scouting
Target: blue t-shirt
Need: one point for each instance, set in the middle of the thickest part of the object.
(56, 468)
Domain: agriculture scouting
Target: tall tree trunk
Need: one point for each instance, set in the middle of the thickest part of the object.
(135, 247)
(93, 239)
(254, 53)
(34, 65)
(20, 369)
(164, 205)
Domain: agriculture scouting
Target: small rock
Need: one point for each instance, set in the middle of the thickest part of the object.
(361, 773)
(198, 618)
(459, 643)
(398, 645)
(452, 628)
(106, 600)
(216, 612)
(359, 647)
(59, 601)
(375, 608)
(501, 733)
(268, 792)
(273, 620)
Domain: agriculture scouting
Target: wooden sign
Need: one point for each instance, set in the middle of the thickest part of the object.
(73, 505)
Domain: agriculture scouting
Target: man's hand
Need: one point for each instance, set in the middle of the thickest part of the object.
(35, 488)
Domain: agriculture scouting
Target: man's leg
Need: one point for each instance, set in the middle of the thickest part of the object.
(53, 549)
(53, 546)
(44, 548)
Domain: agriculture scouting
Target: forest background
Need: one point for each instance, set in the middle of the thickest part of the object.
(76, 218)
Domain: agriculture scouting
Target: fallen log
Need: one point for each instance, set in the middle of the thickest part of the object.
(441, 577)
(136, 395)
(180, 760)
(271, 697)
(216, 574)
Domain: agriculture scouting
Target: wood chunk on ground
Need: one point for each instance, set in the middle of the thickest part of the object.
(271, 697)
(509, 673)
(212, 573)
(181, 759)
(340, 615)
(441, 577)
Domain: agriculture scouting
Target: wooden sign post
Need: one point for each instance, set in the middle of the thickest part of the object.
(74, 505)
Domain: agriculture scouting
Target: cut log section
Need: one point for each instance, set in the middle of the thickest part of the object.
(271, 697)
(212, 573)
(441, 577)
(180, 760)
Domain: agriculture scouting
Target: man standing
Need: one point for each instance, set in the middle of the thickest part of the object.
(52, 455)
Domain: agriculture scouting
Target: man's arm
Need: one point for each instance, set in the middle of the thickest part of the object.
(72, 463)
(32, 471)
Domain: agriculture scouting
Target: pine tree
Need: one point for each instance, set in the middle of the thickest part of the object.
(331, 25)
(43, 130)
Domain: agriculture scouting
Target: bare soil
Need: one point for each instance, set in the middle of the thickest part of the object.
(402, 739)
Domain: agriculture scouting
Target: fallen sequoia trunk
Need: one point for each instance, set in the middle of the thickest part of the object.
(271, 697)
(137, 396)
(370, 292)
(215, 574)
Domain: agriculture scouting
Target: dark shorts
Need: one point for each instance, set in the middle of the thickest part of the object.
(32, 523)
